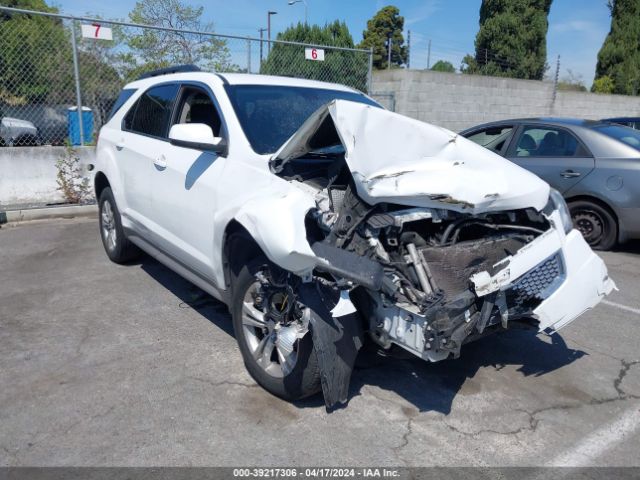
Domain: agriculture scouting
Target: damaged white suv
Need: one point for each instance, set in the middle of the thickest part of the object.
(320, 219)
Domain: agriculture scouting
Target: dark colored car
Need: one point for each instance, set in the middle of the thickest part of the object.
(633, 122)
(594, 164)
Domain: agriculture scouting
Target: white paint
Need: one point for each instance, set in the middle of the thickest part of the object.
(396, 159)
(198, 133)
(587, 283)
(314, 54)
(96, 31)
(593, 446)
(622, 307)
(344, 305)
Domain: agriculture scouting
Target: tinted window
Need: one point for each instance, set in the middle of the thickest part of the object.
(492, 138)
(269, 115)
(624, 134)
(196, 106)
(546, 142)
(152, 112)
(122, 98)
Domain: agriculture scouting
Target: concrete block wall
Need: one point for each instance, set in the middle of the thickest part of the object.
(457, 101)
(28, 174)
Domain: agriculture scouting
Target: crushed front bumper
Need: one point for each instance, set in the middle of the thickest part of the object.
(572, 277)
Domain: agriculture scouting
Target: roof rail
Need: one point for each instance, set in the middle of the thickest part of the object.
(168, 70)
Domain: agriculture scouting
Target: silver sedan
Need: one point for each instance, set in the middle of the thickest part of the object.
(594, 164)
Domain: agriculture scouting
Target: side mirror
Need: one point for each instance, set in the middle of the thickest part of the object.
(198, 136)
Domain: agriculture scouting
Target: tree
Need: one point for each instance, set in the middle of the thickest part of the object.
(443, 66)
(572, 82)
(152, 49)
(603, 84)
(619, 57)
(35, 54)
(340, 66)
(511, 41)
(386, 24)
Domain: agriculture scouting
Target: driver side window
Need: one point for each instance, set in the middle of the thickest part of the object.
(196, 106)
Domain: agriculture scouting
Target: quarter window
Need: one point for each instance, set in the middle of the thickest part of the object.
(546, 142)
(492, 138)
(152, 112)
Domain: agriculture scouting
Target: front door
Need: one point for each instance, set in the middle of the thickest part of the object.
(184, 189)
(552, 153)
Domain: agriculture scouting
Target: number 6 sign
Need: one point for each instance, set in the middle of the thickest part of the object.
(315, 54)
(96, 31)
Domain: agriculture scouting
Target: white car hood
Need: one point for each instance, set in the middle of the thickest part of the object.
(396, 159)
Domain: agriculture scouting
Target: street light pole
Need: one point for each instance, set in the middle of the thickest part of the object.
(261, 30)
(269, 13)
(306, 9)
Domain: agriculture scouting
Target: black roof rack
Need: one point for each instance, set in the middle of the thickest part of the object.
(168, 70)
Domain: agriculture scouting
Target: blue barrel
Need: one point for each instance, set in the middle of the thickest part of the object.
(74, 125)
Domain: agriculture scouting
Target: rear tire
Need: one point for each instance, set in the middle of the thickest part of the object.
(289, 383)
(117, 246)
(597, 225)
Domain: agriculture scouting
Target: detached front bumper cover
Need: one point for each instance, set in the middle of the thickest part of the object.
(582, 282)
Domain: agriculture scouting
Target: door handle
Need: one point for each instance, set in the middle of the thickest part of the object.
(160, 162)
(570, 174)
(120, 145)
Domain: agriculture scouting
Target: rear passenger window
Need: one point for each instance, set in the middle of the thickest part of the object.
(152, 112)
(546, 142)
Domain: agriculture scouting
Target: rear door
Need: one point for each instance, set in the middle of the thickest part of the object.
(553, 153)
(142, 148)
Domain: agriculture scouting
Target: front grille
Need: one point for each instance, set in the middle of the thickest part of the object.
(538, 283)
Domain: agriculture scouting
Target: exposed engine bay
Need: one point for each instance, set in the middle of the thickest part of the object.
(409, 269)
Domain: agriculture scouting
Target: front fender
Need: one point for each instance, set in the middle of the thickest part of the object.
(277, 224)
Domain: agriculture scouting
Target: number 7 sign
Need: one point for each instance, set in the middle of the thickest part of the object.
(96, 31)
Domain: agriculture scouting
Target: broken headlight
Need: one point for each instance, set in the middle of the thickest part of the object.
(558, 202)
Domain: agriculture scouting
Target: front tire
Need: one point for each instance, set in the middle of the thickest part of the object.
(596, 224)
(273, 352)
(117, 246)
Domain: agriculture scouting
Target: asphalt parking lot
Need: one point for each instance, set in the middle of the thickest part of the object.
(106, 365)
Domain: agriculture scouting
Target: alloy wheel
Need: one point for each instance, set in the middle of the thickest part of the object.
(272, 327)
(108, 224)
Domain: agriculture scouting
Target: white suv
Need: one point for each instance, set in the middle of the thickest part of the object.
(320, 218)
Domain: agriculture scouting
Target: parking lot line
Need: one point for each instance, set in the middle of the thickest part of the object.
(599, 442)
(622, 307)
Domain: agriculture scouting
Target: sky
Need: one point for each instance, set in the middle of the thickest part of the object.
(577, 28)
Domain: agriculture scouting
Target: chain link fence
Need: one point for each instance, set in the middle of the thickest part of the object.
(60, 75)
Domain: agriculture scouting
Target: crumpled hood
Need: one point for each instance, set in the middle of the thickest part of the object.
(396, 159)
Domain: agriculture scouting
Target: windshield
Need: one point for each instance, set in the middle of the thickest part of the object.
(269, 114)
(625, 134)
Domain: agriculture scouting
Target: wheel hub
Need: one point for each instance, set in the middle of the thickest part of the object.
(590, 225)
(273, 323)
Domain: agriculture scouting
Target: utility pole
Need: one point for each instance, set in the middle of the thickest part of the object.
(555, 81)
(429, 55)
(261, 30)
(409, 49)
(389, 52)
(269, 13)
